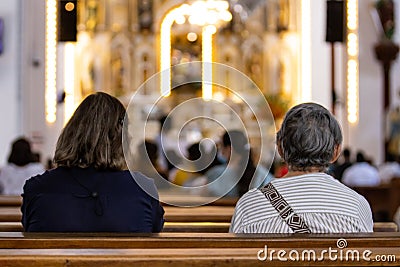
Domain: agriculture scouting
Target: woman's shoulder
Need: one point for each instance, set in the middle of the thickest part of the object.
(7, 169)
(145, 183)
(61, 175)
(48, 178)
(35, 182)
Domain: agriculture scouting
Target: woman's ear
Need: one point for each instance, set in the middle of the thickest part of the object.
(336, 153)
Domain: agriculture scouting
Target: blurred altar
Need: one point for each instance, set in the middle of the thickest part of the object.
(123, 47)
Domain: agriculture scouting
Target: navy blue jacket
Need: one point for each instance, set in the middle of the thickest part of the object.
(88, 200)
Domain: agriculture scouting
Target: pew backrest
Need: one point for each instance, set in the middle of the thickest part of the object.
(174, 249)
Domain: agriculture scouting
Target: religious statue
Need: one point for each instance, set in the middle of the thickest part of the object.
(385, 9)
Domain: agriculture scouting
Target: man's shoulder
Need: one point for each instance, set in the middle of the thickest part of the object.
(250, 198)
(314, 185)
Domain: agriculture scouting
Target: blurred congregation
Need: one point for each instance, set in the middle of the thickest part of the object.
(128, 49)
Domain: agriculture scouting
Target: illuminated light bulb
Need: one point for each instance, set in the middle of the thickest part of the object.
(180, 20)
(219, 97)
(238, 8)
(191, 36)
(226, 16)
(211, 29)
(222, 5)
(69, 6)
(212, 17)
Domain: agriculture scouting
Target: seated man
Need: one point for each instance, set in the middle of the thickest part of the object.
(306, 199)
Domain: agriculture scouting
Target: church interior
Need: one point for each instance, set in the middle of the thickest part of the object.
(187, 73)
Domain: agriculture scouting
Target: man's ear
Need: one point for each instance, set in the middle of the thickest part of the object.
(279, 147)
(336, 153)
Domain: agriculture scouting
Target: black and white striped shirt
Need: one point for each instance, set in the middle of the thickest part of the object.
(325, 204)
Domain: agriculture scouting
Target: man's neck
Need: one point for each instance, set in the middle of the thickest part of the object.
(293, 173)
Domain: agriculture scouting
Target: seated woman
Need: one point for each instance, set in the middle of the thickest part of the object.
(90, 190)
(306, 199)
(21, 166)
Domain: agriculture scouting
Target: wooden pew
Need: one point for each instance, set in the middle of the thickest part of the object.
(11, 227)
(172, 249)
(10, 211)
(385, 227)
(383, 199)
(239, 257)
(172, 214)
(10, 200)
(196, 219)
(222, 227)
(181, 227)
(193, 200)
(378, 198)
(199, 214)
(197, 227)
(129, 257)
(21, 240)
(10, 214)
(394, 200)
(16, 200)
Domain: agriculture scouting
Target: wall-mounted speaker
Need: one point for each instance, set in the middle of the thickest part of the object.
(67, 20)
(335, 21)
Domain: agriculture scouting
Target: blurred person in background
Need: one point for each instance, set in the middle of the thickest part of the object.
(361, 173)
(239, 167)
(339, 168)
(147, 162)
(201, 160)
(389, 169)
(22, 164)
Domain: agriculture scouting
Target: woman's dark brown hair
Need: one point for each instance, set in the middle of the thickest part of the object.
(93, 135)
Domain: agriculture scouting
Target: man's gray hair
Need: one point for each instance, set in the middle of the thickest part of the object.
(308, 137)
